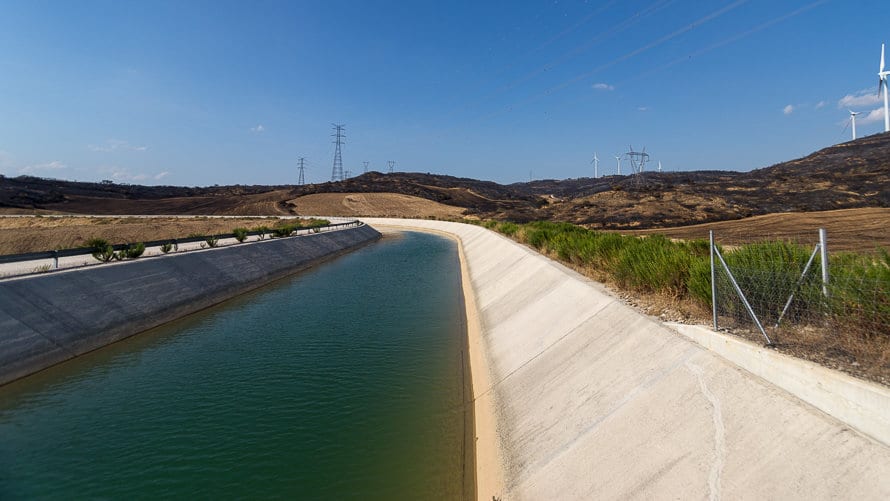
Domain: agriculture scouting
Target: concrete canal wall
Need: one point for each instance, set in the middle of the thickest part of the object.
(49, 318)
(588, 399)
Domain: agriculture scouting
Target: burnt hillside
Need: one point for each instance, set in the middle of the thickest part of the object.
(848, 175)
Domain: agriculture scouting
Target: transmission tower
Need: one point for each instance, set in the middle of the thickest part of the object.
(391, 164)
(302, 179)
(337, 172)
(638, 161)
(365, 163)
(347, 174)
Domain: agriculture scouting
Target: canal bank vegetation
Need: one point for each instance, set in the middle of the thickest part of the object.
(104, 251)
(845, 326)
(21, 235)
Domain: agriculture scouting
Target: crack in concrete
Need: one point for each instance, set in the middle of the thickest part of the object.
(719, 433)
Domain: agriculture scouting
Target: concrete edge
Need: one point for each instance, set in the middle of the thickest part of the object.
(863, 405)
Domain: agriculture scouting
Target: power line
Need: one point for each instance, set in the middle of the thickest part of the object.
(302, 179)
(390, 164)
(674, 34)
(337, 172)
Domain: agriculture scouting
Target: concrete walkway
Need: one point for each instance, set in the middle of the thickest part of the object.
(593, 400)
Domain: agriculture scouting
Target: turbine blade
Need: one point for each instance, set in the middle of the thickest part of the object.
(882, 59)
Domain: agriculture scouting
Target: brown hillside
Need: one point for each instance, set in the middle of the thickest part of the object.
(860, 230)
(372, 205)
(850, 175)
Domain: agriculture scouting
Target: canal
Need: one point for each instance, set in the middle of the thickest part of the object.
(345, 381)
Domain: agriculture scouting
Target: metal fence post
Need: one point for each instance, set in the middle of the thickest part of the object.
(738, 290)
(823, 244)
(713, 281)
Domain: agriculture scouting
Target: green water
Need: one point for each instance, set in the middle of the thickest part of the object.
(342, 382)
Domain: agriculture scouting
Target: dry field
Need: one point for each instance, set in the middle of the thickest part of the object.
(372, 205)
(34, 234)
(860, 230)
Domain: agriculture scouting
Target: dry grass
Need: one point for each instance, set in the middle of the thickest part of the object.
(35, 234)
(860, 230)
(372, 205)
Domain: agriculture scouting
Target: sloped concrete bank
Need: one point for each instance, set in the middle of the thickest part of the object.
(592, 400)
(47, 319)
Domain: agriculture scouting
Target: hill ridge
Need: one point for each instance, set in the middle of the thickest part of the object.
(853, 174)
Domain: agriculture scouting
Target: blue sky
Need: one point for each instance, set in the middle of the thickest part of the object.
(223, 92)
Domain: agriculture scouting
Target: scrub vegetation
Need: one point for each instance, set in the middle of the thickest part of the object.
(849, 320)
(288, 227)
(104, 251)
(240, 234)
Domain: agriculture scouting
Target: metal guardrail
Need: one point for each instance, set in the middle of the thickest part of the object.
(87, 251)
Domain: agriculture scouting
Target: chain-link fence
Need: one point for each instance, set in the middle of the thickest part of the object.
(784, 290)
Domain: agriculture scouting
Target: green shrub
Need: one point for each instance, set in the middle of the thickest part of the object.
(240, 234)
(314, 223)
(767, 272)
(859, 292)
(263, 231)
(131, 251)
(102, 250)
(167, 247)
(212, 240)
(698, 284)
(283, 231)
(508, 229)
(653, 263)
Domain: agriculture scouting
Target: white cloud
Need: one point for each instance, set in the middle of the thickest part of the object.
(258, 129)
(643, 108)
(788, 109)
(861, 99)
(603, 86)
(48, 166)
(125, 175)
(820, 105)
(116, 145)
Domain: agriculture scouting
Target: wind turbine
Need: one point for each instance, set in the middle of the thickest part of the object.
(618, 158)
(882, 81)
(596, 164)
(853, 122)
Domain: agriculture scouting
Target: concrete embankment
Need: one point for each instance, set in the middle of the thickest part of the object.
(588, 399)
(49, 318)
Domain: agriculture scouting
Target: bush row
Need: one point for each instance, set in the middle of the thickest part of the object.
(103, 251)
(767, 272)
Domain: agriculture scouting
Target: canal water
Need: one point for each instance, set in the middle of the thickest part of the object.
(344, 381)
